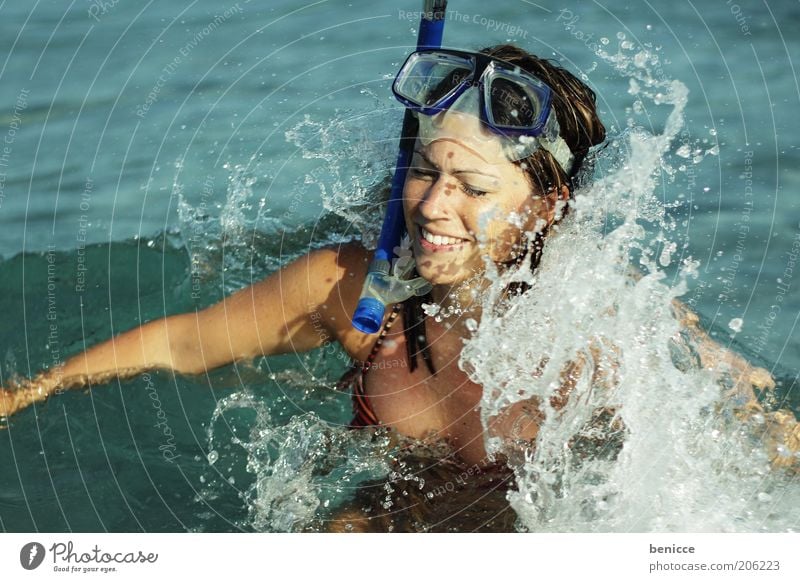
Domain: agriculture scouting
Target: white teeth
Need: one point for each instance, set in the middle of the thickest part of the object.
(438, 239)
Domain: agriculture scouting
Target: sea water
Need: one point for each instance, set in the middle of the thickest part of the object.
(115, 213)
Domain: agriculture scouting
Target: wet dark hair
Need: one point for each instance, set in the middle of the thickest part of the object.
(581, 128)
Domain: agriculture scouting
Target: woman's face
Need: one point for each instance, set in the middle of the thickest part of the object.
(476, 201)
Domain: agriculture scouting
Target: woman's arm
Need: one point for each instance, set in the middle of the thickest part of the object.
(777, 429)
(712, 356)
(295, 309)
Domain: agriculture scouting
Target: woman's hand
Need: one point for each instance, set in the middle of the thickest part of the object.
(23, 394)
(8, 402)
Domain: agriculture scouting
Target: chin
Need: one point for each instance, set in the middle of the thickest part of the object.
(438, 278)
(439, 272)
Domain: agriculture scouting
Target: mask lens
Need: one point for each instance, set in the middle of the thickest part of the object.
(516, 103)
(428, 80)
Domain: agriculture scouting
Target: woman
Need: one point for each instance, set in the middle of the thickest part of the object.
(471, 195)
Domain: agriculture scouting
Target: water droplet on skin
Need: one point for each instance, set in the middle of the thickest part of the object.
(431, 309)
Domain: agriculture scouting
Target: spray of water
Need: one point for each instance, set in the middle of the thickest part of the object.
(355, 155)
(298, 470)
(644, 441)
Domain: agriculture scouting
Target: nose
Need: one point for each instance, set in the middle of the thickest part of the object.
(436, 203)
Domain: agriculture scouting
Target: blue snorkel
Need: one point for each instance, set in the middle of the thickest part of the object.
(385, 285)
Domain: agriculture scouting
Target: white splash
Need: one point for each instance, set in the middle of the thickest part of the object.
(298, 469)
(356, 155)
(643, 442)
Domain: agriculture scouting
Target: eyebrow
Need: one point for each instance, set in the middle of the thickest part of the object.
(460, 171)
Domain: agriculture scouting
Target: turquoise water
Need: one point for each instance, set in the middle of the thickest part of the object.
(162, 155)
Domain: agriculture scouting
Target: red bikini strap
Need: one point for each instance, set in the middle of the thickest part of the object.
(386, 328)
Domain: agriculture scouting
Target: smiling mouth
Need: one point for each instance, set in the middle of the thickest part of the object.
(437, 242)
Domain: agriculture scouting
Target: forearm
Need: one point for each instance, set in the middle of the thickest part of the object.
(744, 377)
(127, 354)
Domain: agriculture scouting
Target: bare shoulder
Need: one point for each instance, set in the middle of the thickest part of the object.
(342, 270)
(339, 270)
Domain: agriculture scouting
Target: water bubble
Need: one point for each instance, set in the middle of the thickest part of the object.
(212, 457)
(604, 40)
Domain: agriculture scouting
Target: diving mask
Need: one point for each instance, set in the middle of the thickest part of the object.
(445, 86)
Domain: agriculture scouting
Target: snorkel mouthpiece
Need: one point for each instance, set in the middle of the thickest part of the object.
(382, 288)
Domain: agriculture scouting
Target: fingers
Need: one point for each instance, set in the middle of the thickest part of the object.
(761, 379)
(12, 401)
(783, 440)
(8, 402)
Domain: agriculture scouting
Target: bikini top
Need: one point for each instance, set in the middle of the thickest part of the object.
(363, 413)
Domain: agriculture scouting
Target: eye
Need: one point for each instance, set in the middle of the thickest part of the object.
(472, 191)
(421, 173)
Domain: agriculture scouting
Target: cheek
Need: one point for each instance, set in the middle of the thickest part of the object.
(503, 238)
(504, 235)
(411, 199)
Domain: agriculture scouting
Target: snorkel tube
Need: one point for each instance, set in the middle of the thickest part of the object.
(382, 287)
